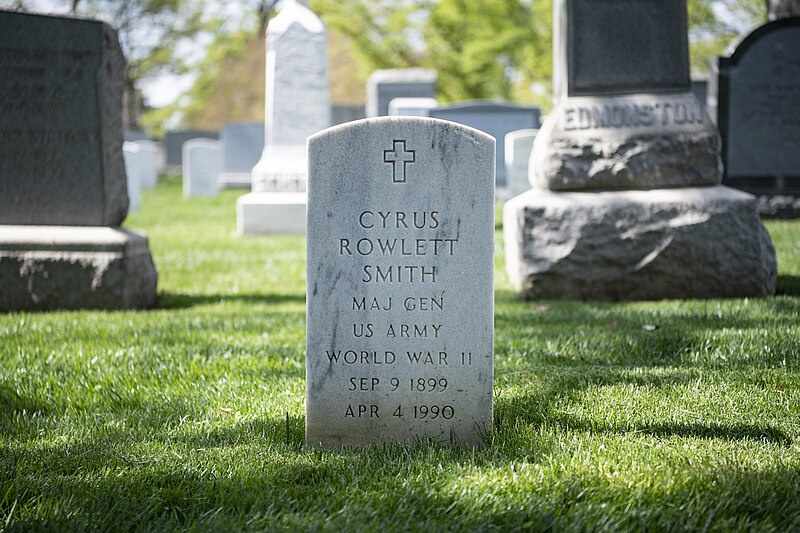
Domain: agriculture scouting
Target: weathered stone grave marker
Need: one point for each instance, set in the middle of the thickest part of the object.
(201, 164)
(384, 86)
(399, 282)
(519, 144)
(758, 114)
(63, 188)
(298, 105)
(626, 170)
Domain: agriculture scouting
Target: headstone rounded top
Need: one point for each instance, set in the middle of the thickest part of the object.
(410, 123)
(294, 12)
(739, 48)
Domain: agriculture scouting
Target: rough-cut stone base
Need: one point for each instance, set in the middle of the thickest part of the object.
(626, 142)
(277, 213)
(75, 267)
(700, 242)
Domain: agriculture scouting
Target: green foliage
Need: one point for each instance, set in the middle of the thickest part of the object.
(191, 416)
(480, 47)
(386, 33)
(710, 35)
(150, 31)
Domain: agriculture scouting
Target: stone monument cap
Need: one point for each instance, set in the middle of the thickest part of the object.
(620, 47)
(294, 12)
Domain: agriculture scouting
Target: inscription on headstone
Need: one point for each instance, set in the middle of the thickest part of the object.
(400, 283)
(60, 124)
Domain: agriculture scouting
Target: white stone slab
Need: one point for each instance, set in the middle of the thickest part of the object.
(133, 171)
(399, 283)
(149, 153)
(275, 213)
(201, 163)
(519, 144)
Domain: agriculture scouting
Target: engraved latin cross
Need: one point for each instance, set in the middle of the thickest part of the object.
(399, 154)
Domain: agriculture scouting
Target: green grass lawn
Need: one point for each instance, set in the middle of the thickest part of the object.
(191, 416)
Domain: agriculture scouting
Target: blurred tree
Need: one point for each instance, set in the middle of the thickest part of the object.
(151, 33)
(714, 24)
(384, 33)
(484, 48)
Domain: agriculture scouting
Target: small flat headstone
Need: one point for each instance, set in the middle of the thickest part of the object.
(134, 170)
(201, 161)
(399, 283)
(384, 86)
(519, 144)
(60, 122)
(242, 145)
(173, 145)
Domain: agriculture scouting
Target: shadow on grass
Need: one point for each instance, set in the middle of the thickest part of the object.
(539, 406)
(173, 300)
(789, 285)
(253, 480)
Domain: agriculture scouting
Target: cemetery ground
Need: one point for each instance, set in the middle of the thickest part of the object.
(647, 416)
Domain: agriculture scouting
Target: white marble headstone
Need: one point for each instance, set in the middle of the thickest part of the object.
(201, 163)
(148, 151)
(298, 103)
(518, 144)
(131, 155)
(399, 283)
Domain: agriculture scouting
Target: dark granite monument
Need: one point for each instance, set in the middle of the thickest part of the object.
(758, 110)
(60, 122)
(63, 189)
(626, 201)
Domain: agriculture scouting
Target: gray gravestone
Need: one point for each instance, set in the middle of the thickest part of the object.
(134, 170)
(150, 154)
(626, 202)
(495, 118)
(241, 145)
(758, 111)
(626, 117)
(201, 162)
(399, 289)
(173, 145)
(384, 86)
(412, 107)
(519, 144)
(298, 105)
(341, 113)
(60, 123)
(63, 184)
(620, 46)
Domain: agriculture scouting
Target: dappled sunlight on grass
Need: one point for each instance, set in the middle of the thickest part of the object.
(666, 415)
